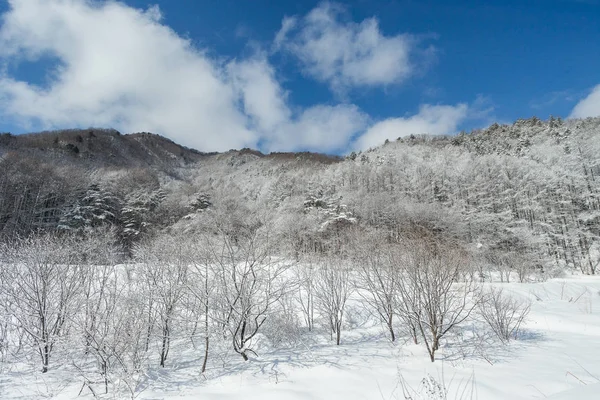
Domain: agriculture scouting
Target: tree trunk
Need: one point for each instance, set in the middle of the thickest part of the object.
(413, 332)
(432, 355)
(311, 311)
(391, 327)
(204, 362)
(430, 347)
(165, 343)
(149, 331)
(105, 374)
(206, 338)
(45, 358)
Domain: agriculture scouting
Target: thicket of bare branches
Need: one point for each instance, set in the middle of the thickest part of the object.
(379, 273)
(333, 289)
(503, 314)
(438, 291)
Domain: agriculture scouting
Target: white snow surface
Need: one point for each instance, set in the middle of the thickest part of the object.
(555, 357)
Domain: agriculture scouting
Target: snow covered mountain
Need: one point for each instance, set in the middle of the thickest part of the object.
(533, 184)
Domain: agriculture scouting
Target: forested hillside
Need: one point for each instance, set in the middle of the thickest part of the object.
(527, 190)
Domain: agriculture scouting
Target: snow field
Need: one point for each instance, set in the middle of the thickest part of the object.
(555, 357)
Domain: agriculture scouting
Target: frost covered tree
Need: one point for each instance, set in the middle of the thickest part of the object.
(333, 287)
(42, 281)
(166, 263)
(378, 278)
(94, 207)
(136, 215)
(117, 339)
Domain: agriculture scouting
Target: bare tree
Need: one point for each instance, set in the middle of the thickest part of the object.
(333, 288)
(202, 286)
(120, 338)
(117, 337)
(101, 297)
(436, 291)
(501, 262)
(98, 252)
(46, 278)
(305, 273)
(378, 280)
(166, 271)
(250, 279)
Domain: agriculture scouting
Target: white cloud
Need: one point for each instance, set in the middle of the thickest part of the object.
(154, 13)
(588, 107)
(346, 54)
(322, 127)
(319, 127)
(262, 98)
(431, 119)
(118, 67)
(122, 67)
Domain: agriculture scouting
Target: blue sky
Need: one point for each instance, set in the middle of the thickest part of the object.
(295, 75)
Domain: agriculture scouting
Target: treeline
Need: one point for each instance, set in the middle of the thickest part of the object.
(529, 189)
(524, 193)
(39, 198)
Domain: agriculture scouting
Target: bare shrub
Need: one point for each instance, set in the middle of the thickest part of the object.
(431, 388)
(284, 327)
(503, 314)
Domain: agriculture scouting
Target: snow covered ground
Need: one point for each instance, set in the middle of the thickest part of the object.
(556, 357)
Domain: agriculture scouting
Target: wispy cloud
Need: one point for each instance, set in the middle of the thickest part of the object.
(319, 127)
(552, 98)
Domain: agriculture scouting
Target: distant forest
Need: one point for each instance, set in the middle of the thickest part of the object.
(527, 191)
